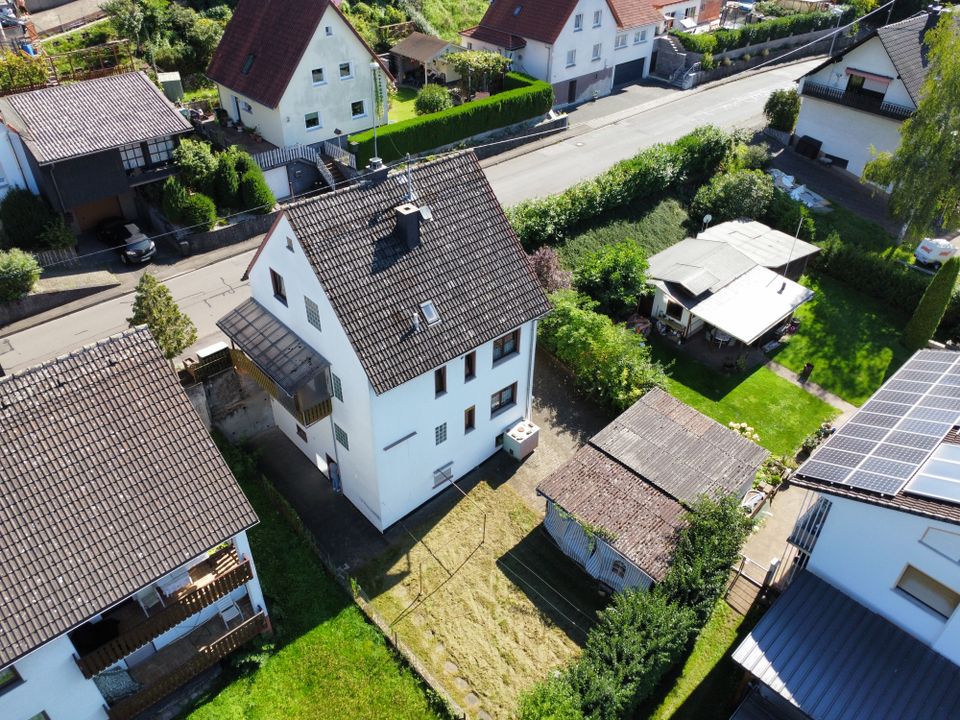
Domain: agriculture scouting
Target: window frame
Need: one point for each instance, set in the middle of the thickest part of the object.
(341, 436)
(673, 303)
(440, 381)
(337, 386)
(323, 76)
(363, 105)
(440, 434)
(500, 405)
(597, 18)
(470, 366)
(279, 288)
(597, 52)
(640, 36)
(306, 121)
(470, 419)
(130, 154)
(328, 31)
(578, 22)
(500, 342)
(951, 596)
(571, 58)
(618, 568)
(349, 66)
(163, 148)
(621, 42)
(15, 681)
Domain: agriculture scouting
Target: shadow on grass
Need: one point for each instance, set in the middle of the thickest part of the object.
(686, 371)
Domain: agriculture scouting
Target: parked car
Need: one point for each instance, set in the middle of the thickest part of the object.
(934, 251)
(127, 239)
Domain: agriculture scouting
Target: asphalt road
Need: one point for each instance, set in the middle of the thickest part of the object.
(209, 292)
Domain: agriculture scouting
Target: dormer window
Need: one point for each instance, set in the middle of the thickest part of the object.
(247, 64)
(430, 313)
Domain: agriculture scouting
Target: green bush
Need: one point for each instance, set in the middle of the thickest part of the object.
(244, 162)
(255, 194)
(26, 218)
(57, 235)
(615, 276)
(707, 62)
(932, 306)
(702, 43)
(193, 210)
(196, 163)
(788, 215)
(432, 98)
(21, 73)
(611, 363)
(739, 194)
(457, 123)
(226, 181)
(763, 31)
(173, 196)
(19, 271)
(782, 109)
(552, 699)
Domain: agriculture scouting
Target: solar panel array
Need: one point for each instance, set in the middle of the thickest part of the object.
(894, 433)
(939, 477)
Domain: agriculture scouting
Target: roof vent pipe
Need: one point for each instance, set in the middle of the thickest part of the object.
(416, 322)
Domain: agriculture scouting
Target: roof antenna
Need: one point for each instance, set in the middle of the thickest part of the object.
(411, 193)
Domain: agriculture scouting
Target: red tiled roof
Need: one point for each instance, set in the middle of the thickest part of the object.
(537, 19)
(495, 37)
(634, 13)
(274, 33)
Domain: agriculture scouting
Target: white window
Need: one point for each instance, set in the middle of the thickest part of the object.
(246, 107)
(313, 312)
(317, 75)
(312, 121)
(357, 109)
(639, 37)
(929, 592)
(596, 51)
(341, 436)
(132, 156)
(440, 433)
(621, 41)
(160, 150)
(578, 22)
(690, 11)
(597, 17)
(337, 387)
(571, 58)
(346, 71)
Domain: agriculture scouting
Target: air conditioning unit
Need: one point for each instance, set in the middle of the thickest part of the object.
(521, 439)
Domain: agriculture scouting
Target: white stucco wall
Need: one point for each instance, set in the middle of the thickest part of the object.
(863, 550)
(266, 120)
(53, 684)
(869, 57)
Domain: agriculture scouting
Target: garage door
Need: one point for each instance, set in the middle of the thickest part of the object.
(628, 72)
(277, 180)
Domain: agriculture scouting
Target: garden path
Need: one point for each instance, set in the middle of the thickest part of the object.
(847, 410)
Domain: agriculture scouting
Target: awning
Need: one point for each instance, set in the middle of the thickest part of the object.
(870, 76)
(272, 346)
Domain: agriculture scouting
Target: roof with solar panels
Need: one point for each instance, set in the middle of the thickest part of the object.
(902, 448)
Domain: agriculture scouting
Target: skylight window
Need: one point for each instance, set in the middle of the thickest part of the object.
(247, 64)
(430, 313)
(517, 9)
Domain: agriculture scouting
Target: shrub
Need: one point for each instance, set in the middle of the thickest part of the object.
(743, 193)
(746, 57)
(552, 699)
(173, 196)
(154, 306)
(56, 234)
(707, 62)
(198, 212)
(197, 164)
(255, 194)
(457, 123)
(19, 271)
(545, 264)
(244, 162)
(750, 157)
(432, 98)
(20, 73)
(226, 181)
(786, 215)
(771, 29)
(929, 312)
(782, 109)
(610, 362)
(25, 217)
(615, 276)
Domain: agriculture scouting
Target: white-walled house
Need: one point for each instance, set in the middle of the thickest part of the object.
(581, 47)
(860, 97)
(874, 601)
(297, 70)
(126, 566)
(395, 335)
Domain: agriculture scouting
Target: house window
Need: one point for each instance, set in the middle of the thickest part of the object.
(507, 345)
(690, 11)
(290, 244)
(440, 433)
(317, 75)
(619, 568)
(674, 310)
(346, 72)
(578, 22)
(132, 156)
(301, 433)
(469, 46)
(9, 679)
(928, 592)
(246, 107)
(639, 37)
(470, 366)
(597, 17)
(341, 436)
(312, 121)
(571, 58)
(469, 418)
(503, 399)
(357, 109)
(160, 150)
(276, 280)
(328, 31)
(440, 381)
(442, 475)
(621, 42)
(313, 312)
(596, 51)
(337, 387)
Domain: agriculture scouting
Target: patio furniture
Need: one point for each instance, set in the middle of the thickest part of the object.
(229, 610)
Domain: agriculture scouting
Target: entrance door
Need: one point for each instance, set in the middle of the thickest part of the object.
(572, 91)
(333, 472)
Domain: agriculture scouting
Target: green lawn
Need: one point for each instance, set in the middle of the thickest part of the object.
(401, 104)
(330, 662)
(781, 413)
(853, 229)
(852, 340)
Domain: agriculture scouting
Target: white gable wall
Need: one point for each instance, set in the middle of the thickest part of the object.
(870, 57)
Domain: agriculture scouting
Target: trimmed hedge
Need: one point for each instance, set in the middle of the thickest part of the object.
(760, 32)
(193, 210)
(255, 193)
(926, 318)
(526, 99)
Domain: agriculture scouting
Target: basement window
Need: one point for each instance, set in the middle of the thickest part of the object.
(247, 64)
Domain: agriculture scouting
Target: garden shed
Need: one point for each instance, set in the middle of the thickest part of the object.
(616, 506)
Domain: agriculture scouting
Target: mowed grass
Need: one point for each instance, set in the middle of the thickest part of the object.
(330, 662)
(781, 413)
(402, 104)
(852, 340)
(489, 620)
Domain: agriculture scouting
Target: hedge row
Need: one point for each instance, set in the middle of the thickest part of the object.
(759, 32)
(527, 98)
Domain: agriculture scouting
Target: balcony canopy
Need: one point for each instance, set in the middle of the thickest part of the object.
(289, 361)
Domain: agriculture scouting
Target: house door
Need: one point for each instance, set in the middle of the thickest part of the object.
(236, 105)
(333, 472)
(572, 91)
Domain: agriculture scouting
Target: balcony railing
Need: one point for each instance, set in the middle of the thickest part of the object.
(868, 103)
(191, 600)
(206, 656)
(306, 413)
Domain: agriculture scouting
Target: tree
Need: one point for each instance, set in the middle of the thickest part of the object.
(545, 264)
(432, 98)
(26, 219)
(127, 18)
(196, 163)
(744, 193)
(925, 169)
(477, 68)
(154, 306)
(782, 109)
(255, 194)
(929, 312)
(226, 181)
(19, 271)
(615, 276)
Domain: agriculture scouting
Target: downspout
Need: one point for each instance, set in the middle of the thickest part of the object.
(528, 409)
(549, 66)
(56, 187)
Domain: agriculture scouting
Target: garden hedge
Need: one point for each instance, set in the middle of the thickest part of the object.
(526, 99)
(759, 32)
(19, 272)
(932, 306)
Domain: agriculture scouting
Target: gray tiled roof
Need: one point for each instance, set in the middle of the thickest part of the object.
(469, 263)
(66, 121)
(834, 659)
(108, 481)
(903, 42)
(420, 47)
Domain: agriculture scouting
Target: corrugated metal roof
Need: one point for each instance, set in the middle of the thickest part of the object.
(765, 246)
(834, 659)
(699, 266)
(420, 47)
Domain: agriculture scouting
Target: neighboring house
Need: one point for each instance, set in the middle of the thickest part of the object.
(395, 333)
(734, 278)
(581, 47)
(297, 71)
(870, 627)
(89, 145)
(617, 505)
(419, 59)
(126, 567)
(859, 98)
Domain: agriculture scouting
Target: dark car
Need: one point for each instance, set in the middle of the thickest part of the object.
(127, 239)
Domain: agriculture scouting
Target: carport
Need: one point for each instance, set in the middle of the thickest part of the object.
(418, 59)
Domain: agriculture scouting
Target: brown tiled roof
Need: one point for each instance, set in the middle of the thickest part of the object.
(537, 19)
(495, 37)
(275, 33)
(66, 121)
(634, 13)
(469, 263)
(598, 490)
(420, 47)
(108, 481)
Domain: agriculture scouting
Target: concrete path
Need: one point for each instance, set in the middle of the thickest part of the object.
(847, 410)
(776, 521)
(67, 14)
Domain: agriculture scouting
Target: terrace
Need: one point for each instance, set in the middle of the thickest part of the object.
(873, 103)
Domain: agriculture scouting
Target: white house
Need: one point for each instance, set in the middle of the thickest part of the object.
(581, 47)
(870, 626)
(126, 567)
(859, 98)
(297, 71)
(394, 324)
(14, 167)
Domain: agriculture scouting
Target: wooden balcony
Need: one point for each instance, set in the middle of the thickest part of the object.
(868, 103)
(212, 579)
(177, 663)
(308, 408)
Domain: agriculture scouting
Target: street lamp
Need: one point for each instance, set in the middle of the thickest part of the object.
(375, 161)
